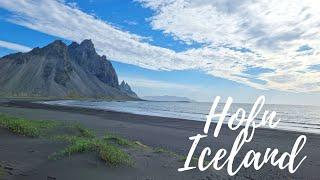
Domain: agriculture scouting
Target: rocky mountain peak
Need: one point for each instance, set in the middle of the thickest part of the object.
(124, 87)
(73, 45)
(124, 84)
(87, 42)
(85, 55)
(56, 49)
(58, 70)
(87, 46)
(103, 57)
(56, 44)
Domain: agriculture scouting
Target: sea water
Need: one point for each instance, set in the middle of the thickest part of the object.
(293, 117)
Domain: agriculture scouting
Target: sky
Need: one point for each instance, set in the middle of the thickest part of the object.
(198, 49)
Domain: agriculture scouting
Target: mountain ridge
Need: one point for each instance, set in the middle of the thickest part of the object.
(59, 70)
(124, 86)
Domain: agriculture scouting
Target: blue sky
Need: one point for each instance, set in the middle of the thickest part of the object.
(198, 49)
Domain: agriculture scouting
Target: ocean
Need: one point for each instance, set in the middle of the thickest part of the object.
(293, 117)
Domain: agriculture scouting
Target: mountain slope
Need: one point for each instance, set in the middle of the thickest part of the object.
(124, 87)
(58, 70)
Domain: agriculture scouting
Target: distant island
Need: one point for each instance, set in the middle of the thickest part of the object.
(167, 98)
(62, 71)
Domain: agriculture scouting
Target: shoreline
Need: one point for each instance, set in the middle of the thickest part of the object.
(38, 105)
(172, 134)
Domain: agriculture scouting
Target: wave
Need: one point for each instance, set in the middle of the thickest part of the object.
(293, 118)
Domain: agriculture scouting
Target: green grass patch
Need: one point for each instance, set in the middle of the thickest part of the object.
(108, 152)
(84, 132)
(2, 172)
(79, 138)
(77, 145)
(114, 155)
(21, 126)
(66, 138)
(112, 138)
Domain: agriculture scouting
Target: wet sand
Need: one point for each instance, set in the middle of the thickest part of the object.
(168, 133)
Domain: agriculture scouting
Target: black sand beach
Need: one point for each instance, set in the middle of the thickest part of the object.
(26, 158)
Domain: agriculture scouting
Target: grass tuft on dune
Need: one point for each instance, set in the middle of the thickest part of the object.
(114, 155)
(109, 148)
(87, 133)
(109, 152)
(112, 138)
(30, 128)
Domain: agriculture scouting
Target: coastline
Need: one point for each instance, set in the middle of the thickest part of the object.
(90, 111)
(172, 134)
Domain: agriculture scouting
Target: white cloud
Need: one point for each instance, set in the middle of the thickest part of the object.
(58, 19)
(139, 82)
(272, 30)
(14, 46)
(268, 32)
(149, 87)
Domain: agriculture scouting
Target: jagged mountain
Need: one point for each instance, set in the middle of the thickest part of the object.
(58, 70)
(124, 87)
